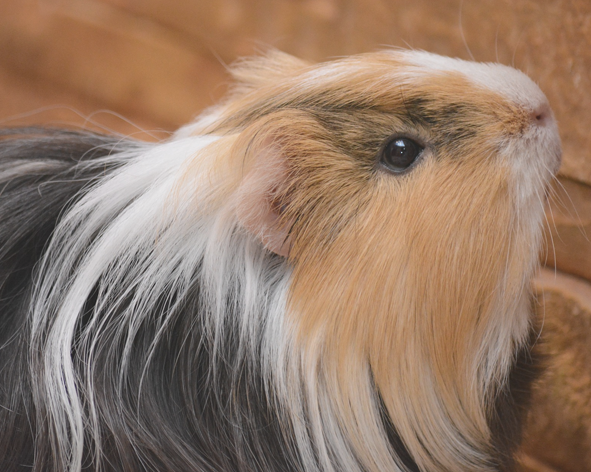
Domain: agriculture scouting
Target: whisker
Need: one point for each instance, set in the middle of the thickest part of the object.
(569, 207)
(462, 32)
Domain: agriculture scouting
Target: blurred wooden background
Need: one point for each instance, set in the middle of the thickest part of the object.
(155, 64)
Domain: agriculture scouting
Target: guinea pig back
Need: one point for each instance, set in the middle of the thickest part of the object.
(328, 271)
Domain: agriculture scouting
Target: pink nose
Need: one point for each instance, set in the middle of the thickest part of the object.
(541, 115)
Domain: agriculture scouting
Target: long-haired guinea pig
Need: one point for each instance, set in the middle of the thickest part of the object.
(329, 271)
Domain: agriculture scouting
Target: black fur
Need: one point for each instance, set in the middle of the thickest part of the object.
(177, 422)
(512, 402)
(396, 442)
(30, 205)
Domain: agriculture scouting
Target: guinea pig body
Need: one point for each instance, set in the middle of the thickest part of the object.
(328, 271)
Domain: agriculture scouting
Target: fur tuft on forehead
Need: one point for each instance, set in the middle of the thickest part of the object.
(251, 73)
(261, 292)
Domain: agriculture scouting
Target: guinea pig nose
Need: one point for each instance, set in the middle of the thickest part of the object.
(541, 114)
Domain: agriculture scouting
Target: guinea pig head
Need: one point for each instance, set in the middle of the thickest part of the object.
(406, 192)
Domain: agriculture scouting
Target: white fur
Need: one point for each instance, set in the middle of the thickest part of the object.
(509, 82)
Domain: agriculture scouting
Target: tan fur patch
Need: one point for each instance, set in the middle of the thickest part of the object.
(398, 280)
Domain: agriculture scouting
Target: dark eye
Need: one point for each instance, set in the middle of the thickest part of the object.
(400, 153)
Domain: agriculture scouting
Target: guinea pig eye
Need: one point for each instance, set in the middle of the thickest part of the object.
(400, 153)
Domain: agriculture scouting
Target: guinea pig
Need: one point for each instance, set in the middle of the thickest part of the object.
(328, 271)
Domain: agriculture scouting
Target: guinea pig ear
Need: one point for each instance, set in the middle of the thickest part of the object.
(259, 206)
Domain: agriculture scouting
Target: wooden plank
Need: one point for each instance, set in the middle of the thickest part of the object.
(221, 27)
(25, 101)
(530, 464)
(558, 431)
(132, 66)
(568, 228)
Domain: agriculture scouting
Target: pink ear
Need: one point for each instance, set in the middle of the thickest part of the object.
(257, 209)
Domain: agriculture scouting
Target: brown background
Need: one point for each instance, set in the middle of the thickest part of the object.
(154, 64)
